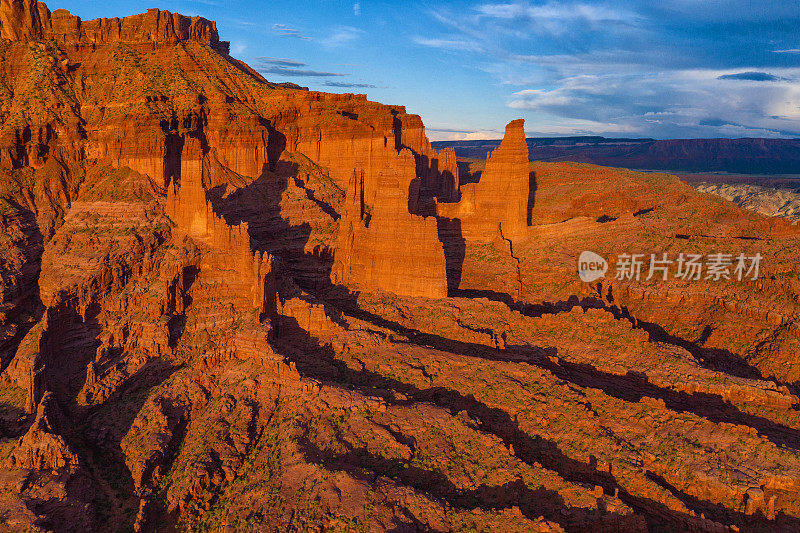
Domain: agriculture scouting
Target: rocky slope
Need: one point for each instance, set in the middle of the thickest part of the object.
(768, 201)
(233, 305)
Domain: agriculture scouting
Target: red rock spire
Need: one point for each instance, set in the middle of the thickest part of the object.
(499, 201)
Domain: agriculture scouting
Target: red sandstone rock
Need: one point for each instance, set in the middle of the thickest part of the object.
(42, 448)
(194, 217)
(499, 201)
(23, 19)
(380, 245)
(210, 372)
(29, 20)
(447, 166)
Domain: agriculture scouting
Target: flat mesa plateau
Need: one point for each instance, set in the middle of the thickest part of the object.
(234, 305)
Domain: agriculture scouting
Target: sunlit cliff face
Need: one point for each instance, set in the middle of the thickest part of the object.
(232, 304)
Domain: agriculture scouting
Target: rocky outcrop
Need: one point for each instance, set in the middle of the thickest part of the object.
(81, 268)
(23, 19)
(499, 202)
(21, 248)
(772, 202)
(365, 139)
(437, 170)
(29, 20)
(446, 165)
(171, 233)
(42, 447)
(361, 135)
(382, 245)
(229, 246)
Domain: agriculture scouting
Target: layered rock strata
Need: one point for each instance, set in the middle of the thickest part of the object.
(499, 202)
(153, 379)
(29, 20)
(230, 249)
(380, 244)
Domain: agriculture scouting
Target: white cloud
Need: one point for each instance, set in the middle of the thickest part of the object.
(557, 11)
(449, 44)
(691, 102)
(737, 130)
(534, 99)
(342, 35)
(243, 22)
(557, 126)
(559, 18)
(287, 31)
(462, 134)
(632, 66)
(480, 135)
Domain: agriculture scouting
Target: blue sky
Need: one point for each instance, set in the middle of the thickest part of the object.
(663, 69)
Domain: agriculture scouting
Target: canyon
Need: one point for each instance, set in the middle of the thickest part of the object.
(234, 305)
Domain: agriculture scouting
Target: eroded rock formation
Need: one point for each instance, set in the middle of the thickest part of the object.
(229, 247)
(499, 202)
(30, 20)
(380, 245)
(42, 448)
(769, 201)
(223, 307)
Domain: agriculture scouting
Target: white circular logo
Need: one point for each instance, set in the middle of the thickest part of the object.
(591, 266)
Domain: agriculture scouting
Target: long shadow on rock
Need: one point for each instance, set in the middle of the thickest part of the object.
(444, 344)
(465, 175)
(756, 523)
(258, 204)
(276, 144)
(176, 324)
(325, 206)
(533, 503)
(534, 449)
(633, 387)
(12, 421)
(105, 458)
(531, 197)
(69, 344)
(318, 362)
(717, 359)
(454, 244)
(132, 396)
(29, 302)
